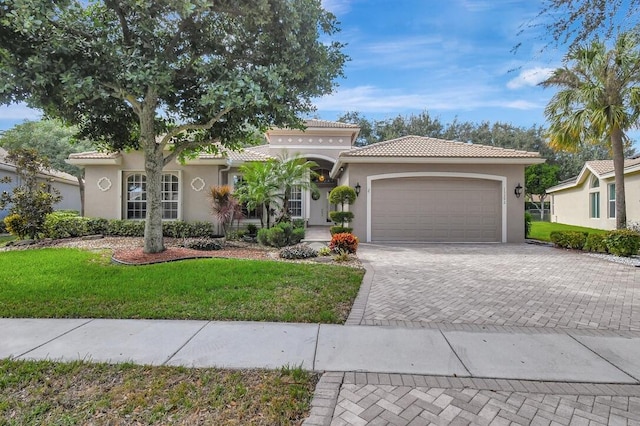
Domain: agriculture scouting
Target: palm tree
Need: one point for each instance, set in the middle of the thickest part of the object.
(294, 172)
(259, 188)
(598, 102)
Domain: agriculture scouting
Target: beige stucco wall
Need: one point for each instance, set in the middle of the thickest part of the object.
(70, 193)
(571, 206)
(514, 174)
(108, 204)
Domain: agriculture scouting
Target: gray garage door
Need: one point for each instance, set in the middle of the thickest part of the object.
(436, 210)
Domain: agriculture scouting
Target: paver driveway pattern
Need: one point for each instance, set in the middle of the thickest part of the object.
(517, 285)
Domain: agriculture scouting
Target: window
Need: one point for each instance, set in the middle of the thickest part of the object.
(295, 202)
(594, 205)
(137, 196)
(612, 200)
(246, 213)
(595, 182)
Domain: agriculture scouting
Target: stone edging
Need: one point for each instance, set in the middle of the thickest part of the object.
(356, 314)
(325, 399)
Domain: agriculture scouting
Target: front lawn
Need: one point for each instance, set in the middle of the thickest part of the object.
(72, 283)
(43, 392)
(542, 230)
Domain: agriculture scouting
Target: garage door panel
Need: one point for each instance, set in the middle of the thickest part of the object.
(436, 210)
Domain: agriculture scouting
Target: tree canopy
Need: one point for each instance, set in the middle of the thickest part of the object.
(168, 76)
(598, 102)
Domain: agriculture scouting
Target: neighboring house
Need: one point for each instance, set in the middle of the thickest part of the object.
(589, 199)
(63, 182)
(411, 189)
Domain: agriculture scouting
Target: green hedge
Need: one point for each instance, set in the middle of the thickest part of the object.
(65, 225)
(281, 235)
(622, 242)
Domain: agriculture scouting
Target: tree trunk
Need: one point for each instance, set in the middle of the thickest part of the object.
(617, 149)
(81, 189)
(153, 165)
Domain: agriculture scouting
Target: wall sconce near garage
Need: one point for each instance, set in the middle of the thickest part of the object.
(357, 189)
(518, 190)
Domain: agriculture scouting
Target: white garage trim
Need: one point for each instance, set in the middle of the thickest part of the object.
(501, 179)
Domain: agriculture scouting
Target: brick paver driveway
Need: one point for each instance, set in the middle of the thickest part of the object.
(501, 285)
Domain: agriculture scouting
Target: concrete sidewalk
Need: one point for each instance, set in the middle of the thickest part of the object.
(567, 356)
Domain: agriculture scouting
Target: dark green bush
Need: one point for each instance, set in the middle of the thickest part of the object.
(263, 236)
(176, 229)
(298, 251)
(126, 228)
(297, 235)
(340, 230)
(527, 224)
(276, 237)
(596, 243)
(200, 229)
(623, 242)
(252, 229)
(202, 244)
(64, 225)
(569, 239)
(341, 217)
(97, 225)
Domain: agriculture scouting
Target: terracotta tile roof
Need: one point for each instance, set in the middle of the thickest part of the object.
(91, 155)
(329, 124)
(602, 167)
(51, 172)
(420, 146)
(254, 153)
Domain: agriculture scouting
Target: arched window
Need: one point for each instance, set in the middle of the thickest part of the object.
(137, 196)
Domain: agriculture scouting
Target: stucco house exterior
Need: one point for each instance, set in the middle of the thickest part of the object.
(63, 182)
(410, 189)
(589, 199)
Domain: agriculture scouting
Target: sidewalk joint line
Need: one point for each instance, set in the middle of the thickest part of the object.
(186, 343)
(455, 353)
(56, 337)
(315, 349)
(604, 359)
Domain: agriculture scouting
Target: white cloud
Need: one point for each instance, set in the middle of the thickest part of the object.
(371, 99)
(19, 112)
(337, 7)
(530, 77)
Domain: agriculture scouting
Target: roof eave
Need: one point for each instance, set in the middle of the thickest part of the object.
(444, 160)
(114, 161)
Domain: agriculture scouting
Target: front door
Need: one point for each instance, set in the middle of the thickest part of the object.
(319, 211)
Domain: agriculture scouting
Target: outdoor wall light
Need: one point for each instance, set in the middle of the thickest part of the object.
(357, 188)
(518, 190)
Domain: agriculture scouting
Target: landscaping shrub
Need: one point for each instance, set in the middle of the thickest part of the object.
(202, 244)
(569, 239)
(596, 243)
(16, 225)
(252, 229)
(341, 217)
(277, 237)
(324, 251)
(281, 235)
(65, 225)
(623, 242)
(337, 229)
(200, 229)
(344, 242)
(298, 251)
(97, 225)
(527, 224)
(176, 229)
(126, 228)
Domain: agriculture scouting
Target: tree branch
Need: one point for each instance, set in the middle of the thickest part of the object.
(186, 127)
(126, 33)
(122, 94)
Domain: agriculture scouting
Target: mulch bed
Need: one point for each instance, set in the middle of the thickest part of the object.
(136, 256)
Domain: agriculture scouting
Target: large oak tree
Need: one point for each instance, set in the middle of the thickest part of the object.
(168, 76)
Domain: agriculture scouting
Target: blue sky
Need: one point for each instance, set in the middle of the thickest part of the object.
(452, 58)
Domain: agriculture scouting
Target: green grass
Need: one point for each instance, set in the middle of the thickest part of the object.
(43, 392)
(4, 239)
(542, 230)
(72, 283)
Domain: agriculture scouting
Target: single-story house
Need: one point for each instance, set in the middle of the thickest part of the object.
(412, 188)
(589, 199)
(64, 182)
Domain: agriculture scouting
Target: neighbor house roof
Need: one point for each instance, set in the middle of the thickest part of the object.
(329, 124)
(51, 173)
(602, 169)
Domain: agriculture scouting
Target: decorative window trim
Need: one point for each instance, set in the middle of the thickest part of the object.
(197, 184)
(611, 200)
(102, 182)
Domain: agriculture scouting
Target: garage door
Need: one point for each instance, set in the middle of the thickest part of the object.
(436, 210)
